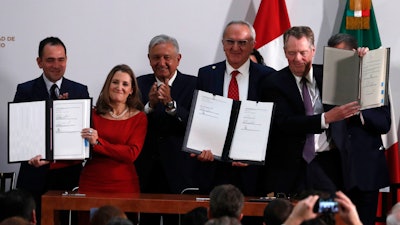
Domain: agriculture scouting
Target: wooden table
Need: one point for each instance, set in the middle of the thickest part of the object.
(149, 203)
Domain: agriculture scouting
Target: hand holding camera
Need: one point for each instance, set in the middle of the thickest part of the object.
(313, 205)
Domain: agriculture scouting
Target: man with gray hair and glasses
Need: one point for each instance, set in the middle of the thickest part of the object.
(238, 78)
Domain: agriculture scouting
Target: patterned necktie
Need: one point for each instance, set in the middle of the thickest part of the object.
(53, 94)
(233, 91)
(309, 147)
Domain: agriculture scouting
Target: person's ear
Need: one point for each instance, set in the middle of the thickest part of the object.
(39, 62)
(240, 217)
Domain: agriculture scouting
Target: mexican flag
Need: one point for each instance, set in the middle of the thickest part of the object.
(359, 20)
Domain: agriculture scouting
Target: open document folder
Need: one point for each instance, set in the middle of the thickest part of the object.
(50, 128)
(232, 130)
(348, 77)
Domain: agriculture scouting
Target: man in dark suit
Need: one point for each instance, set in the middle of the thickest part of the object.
(37, 176)
(238, 43)
(365, 169)
(167, 94)
(289, 168)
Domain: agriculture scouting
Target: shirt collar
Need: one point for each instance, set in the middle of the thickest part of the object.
(242, 69)
(171, 80)
(49, 83)
(309, 77)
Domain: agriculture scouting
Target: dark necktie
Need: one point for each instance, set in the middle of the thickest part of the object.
(53, 94)
(309, 147)
(233, 91)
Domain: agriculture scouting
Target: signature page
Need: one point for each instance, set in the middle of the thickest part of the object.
(210, 123)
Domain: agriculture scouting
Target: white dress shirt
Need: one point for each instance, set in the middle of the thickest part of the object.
(322, 140)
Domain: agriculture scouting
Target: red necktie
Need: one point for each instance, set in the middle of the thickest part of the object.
(233, 91)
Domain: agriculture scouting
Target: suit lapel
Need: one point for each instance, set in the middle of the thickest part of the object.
(40, 89)
(65, 86)
(218, 76)
(177, 85)
(253, 83)
(291, 84)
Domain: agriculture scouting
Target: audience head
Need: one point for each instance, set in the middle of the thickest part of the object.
(322, 219)
(226, 200)
(15, 220)
(18, 203)
(52, 58)
(105, 213)
(238, 41)
(124, 74)
(277, 211)
(299, 49)
(256, 57)
(225, 220)
(343, 41)
(197, 216)
(164, 56)
(394, 216)
(119, 221)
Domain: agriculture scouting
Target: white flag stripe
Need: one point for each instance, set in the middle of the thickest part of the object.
(358, 13)
(391, 137)
(273, 53)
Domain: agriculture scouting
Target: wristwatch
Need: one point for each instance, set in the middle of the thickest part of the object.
(170, 105)
(97, 142)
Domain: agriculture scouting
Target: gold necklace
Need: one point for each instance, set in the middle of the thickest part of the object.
(120, 115)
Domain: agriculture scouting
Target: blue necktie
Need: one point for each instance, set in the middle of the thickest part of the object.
(309, 147)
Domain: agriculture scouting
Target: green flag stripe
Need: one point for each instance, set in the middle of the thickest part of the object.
(364, 13)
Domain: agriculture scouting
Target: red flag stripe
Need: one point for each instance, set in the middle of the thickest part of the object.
(393, 159)
(271, 21)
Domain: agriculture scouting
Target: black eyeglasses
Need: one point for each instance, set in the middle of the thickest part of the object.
(230, 42)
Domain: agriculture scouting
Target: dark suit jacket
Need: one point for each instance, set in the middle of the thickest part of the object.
(363, 157)
(29, 177)
(358, 145)
(35, 90)
(211, 79)
(284, 162)
(163, 146)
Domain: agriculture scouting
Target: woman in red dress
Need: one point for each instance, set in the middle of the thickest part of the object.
(117, 136)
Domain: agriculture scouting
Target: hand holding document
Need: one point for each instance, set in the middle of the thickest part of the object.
(51, 129)
(348, 77)
(232, 130)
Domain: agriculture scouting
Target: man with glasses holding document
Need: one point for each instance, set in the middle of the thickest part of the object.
(237, 77)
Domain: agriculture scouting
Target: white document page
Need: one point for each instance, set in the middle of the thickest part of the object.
(252, 129)
(210, 123)
(69, 118)
(374, 76)
(27, 130)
